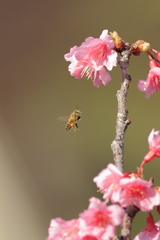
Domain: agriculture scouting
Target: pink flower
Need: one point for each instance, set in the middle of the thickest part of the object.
(154, 145)
(90, 58)
(152, 82)
(151, 231)
(60, 229)
(100, 220)
(138, 192)
(80, 69)
(108, 182)
(98, 52)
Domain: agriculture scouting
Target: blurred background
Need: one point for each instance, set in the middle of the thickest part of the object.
(46, 172)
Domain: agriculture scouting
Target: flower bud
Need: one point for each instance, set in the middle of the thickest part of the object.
(140, 46)
(119, 43)
(144, 46)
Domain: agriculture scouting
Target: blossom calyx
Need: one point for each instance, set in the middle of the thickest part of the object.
(130, 174)
(158, 55)
(152, 63)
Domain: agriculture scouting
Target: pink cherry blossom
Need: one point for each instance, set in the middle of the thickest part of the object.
(154, 145)
(100, 220)
(151, 231)
(91, 57)
(98, 52)
(108, 182)
(152, 82)
(154, 142)
(138, 192)
(80, 69)
(60, 229)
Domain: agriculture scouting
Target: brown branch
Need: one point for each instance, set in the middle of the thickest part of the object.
(121, 119)
(131, 211)
(118, 143)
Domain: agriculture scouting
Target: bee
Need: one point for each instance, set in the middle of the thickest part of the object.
(73, 119)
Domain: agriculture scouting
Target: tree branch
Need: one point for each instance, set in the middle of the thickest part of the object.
(118, 143)
(131, 211)
(122, 113)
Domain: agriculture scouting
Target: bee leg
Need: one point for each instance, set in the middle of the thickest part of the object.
(76, 126)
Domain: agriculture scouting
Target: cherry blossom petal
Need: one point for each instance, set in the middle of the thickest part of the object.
(108, 182)
(100, 220)
(151, 231)
(138, 192)
(90, 58)
(61, 229)
(152, 83)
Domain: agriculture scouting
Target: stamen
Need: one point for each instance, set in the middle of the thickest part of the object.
(84, 71)
(95, 75)
(136, 193)
(87, 72)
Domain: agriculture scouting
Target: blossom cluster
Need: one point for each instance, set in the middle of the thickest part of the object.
(92, 58)
(99, 221)
(96, 55)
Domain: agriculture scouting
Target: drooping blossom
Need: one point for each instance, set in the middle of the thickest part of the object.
(154, 145)
(151, 231)
(100, 220)
(138, 192)
(108, 182)
(60, 229)
(90, 58)
(152, 83)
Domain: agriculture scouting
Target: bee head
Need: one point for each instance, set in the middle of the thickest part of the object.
(77, 111)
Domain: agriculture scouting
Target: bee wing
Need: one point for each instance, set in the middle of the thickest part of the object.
(63, 118)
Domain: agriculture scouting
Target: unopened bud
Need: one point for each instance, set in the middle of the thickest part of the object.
(144, 46)
(119, 43)
(140, 46)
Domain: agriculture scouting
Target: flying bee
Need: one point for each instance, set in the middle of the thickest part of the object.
(72, 121)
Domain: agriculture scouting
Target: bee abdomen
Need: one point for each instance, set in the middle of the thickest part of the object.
(68, 126)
